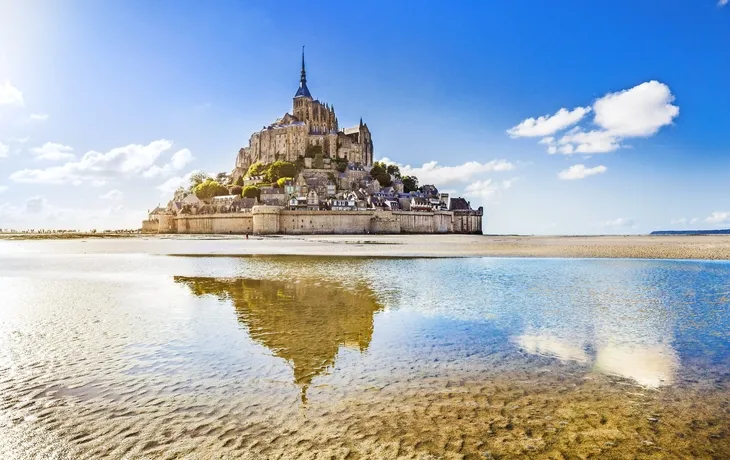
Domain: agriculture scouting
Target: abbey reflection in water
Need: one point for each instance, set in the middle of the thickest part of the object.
(304, 322)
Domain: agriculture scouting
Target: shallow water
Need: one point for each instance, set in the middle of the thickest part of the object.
(152, 356)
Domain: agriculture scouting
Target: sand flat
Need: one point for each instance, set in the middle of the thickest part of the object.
(707, 247)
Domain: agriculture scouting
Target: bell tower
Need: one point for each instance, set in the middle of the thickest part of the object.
(303, 98)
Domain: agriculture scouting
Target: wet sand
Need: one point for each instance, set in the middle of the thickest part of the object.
(707, 247)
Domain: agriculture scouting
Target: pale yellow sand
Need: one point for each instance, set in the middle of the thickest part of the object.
(636, 246)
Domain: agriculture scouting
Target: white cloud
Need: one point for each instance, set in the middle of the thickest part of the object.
(637, 112)
(433, 173)
(52, 151)
(177, 162)
(3, 188)
(620, 222)
(546, 125)
(10, 95)
(680, 221)
(168, 187)
(722, 2)
(4, 150)
(113, 195)
(719, 218)
(96, 168)
(38, 116)
(640, 111)
(482, 189)
(20, 140)
(577, 141)
(581, 172)
(507, 184)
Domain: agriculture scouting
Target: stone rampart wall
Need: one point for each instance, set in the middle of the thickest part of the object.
(273, 219)
(314, 222)
(234, 223)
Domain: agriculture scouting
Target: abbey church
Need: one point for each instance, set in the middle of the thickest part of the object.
(311, 124)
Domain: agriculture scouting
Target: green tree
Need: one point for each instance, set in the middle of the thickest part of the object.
(239, 181)
(256, 169)
(210, 188)
(196, 179)
(410, 183)
(236, 190)
(251, 191)
(380, 173)
(282, 181)
(280, 169)
(222, 178)
(318, 162)
(393, 170)
(341, 164)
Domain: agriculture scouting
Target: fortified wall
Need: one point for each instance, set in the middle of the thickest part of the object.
(269, 220)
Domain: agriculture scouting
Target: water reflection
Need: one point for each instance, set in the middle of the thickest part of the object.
(304, 322)
(624, 325)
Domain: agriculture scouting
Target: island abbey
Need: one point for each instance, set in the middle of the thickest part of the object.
(311, 123)
(303, 174)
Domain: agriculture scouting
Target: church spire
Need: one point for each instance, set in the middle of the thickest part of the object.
(303, 79)
(303, 90)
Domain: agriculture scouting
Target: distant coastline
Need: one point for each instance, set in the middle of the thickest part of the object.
(725, 231)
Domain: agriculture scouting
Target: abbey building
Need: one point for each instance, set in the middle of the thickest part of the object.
(312, 128)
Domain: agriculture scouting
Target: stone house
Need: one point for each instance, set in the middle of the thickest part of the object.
(312, 201)
(340, 204)
(223, 200)
(274, 196)
(420, 204)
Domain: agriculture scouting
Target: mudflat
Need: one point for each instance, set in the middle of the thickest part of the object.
(706, 247)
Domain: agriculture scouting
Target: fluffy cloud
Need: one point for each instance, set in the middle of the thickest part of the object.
(482, 189)
(719, 218)
(578, 141)
(4, 150)
(640, 111)
(10, 95)
(113, 195)
(3, 188)
(546, 125)
(178, 161)
(637, 112)
(38, 116)
(722, 3)
(620, 222)
(96, 168)
(580, 172)
(433, 173)
(52, 151)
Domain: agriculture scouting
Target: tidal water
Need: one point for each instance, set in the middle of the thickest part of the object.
(153, 356)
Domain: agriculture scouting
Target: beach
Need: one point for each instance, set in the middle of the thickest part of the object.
(703, 247)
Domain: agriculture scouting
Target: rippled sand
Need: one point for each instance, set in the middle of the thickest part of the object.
(138, 356)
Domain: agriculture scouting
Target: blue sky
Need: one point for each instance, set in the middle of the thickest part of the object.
(159, 89)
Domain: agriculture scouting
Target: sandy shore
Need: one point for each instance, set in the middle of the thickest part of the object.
(711, 247)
